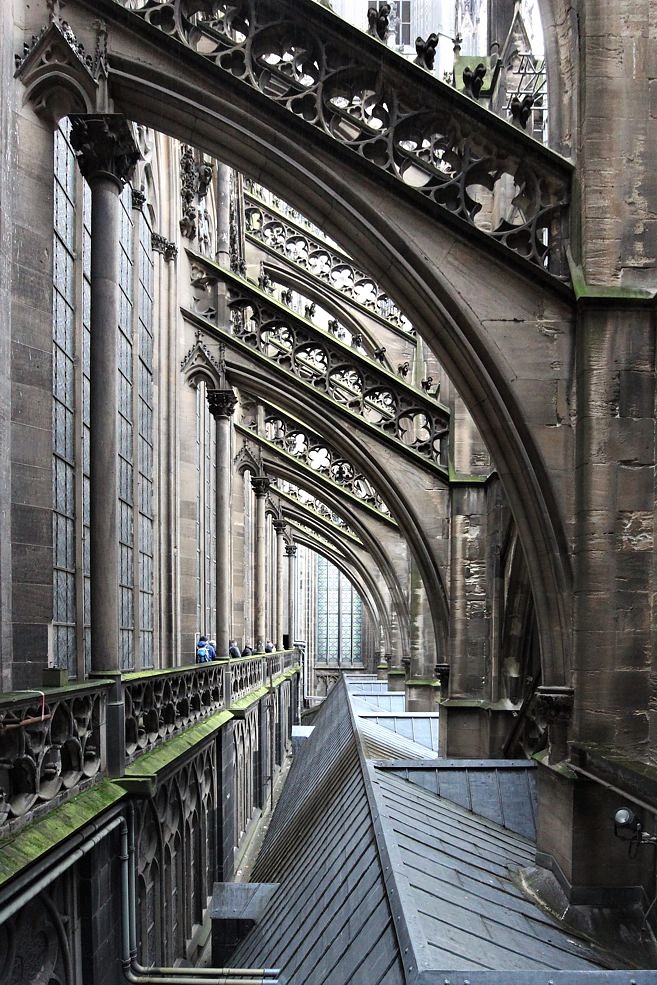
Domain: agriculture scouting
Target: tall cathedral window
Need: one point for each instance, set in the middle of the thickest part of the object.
(339, 617)
(65, 451)
(71, 637)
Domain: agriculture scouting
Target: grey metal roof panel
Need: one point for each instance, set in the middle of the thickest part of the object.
(454, 876)
(503, 791)
(330, 919)
(367, 687)
(383, 743)
(386, 701)
(419, 728)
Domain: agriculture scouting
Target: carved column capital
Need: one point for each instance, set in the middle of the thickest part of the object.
(221, 403)
(104, 147)
(261, 484)
(280, 526)
(290, 550)
(554, 706)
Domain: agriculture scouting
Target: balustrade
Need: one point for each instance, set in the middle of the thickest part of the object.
(51, 745)
(274, 664)
(159, 706)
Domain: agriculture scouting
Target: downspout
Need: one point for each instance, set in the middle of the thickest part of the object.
(132, 970)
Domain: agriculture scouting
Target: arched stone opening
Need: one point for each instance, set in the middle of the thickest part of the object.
(453, 289)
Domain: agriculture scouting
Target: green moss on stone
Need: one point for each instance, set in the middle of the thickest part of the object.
(168, 671)
(152, 763)
(30, 844)
(34, 696)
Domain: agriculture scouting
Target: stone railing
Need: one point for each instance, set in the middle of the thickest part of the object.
(443, 150)
(51, 746)
(159, 705)
(407, 416)
(291, 658)
(54, 743)
(274, 664)
(246, 675)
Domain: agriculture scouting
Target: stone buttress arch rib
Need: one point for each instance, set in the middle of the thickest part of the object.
(226, 119)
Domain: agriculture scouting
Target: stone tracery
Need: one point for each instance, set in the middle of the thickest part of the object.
(421, 134)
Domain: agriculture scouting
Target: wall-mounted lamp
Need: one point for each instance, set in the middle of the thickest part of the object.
(628, 827)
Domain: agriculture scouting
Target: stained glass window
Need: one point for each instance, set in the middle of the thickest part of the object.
(206, 550)
(126, 452)
(145, 442)
(63, 409)
(338, 617)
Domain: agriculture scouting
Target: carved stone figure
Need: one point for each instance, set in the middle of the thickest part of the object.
(521, 110)
(426, 51)
(379, 21)
(474, 80)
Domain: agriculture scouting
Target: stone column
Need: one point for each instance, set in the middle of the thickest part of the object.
(223, 241)
(396, 672)
(260, 485)
(107, 155)
(613, 717)
(280, 527)
(221, 403)
(291, 552)
(381, 657)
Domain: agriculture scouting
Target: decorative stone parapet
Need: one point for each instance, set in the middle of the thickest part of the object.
(440, 147)
(319, 455)
(282, 237)
(246, 675)
(161, 705)
(273, 666)
(51, 746)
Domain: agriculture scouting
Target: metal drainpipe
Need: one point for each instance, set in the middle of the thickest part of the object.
(132, 970)
(259, 976)
(44, 881)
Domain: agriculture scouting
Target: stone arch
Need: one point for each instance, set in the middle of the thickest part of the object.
(398, 601)
(431, 270)
(409, 523)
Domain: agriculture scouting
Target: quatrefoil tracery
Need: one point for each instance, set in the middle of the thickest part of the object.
(321, 457)
(417, 129)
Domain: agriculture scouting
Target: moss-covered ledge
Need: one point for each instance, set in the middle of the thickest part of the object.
(144, 775)
(74, 690)
(610, 766)
(241, 707)
(464, 703)
(31, 843)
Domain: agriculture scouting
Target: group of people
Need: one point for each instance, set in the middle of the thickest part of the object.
(206, 650)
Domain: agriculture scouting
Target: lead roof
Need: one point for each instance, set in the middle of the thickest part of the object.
(383, 882)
